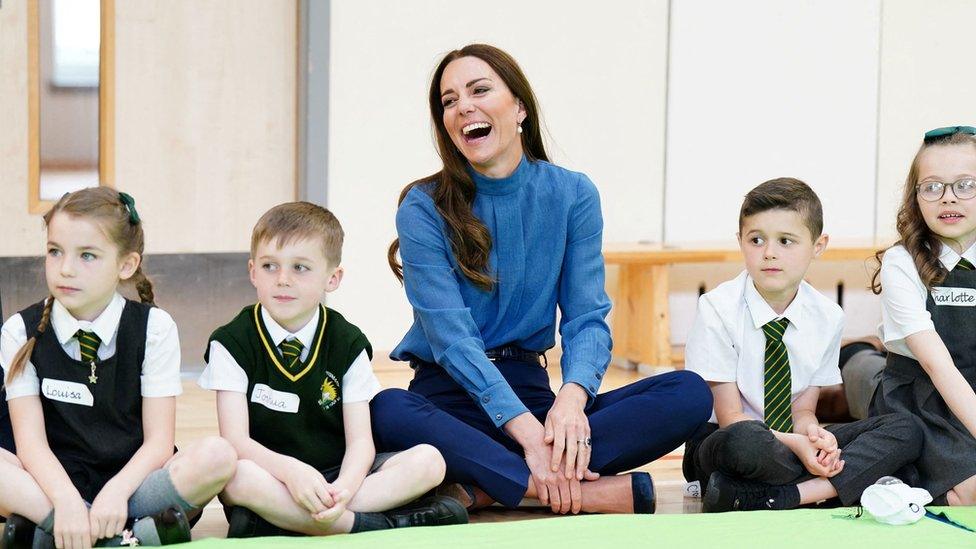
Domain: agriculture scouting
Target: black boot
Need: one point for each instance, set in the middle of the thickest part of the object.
(430, 511)
(18, 533)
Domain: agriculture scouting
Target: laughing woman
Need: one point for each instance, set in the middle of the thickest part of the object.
(491, 245)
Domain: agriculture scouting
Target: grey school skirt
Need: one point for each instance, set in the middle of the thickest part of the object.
(949, 454)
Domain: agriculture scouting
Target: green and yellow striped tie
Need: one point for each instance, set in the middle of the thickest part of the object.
(291, 349)
(88, 342)
(965, 265)
(778, 386)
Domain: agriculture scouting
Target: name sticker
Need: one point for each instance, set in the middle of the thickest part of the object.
(954, 297)
(279, 401)
(67, 391)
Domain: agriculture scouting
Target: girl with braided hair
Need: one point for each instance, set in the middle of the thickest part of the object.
(91, 382)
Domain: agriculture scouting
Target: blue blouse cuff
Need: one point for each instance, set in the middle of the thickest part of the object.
(586, 376)
(500, 403)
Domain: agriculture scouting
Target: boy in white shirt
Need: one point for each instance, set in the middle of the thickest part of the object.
(766, 342)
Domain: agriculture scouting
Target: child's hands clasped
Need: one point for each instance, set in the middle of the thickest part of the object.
(829, 451)
(818, 451)
(108, 513)
(309, 489)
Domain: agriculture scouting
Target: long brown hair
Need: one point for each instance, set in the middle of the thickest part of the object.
(914, 234)
(454, 190)
(121, 225)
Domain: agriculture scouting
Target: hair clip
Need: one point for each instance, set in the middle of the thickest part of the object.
(130, 206)
(939, 133)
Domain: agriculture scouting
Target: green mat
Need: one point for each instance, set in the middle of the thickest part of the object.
(820, 529)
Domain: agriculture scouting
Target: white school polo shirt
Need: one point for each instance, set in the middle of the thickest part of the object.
(903, 296)
(223, 373)
(727, 343)
(160, 368)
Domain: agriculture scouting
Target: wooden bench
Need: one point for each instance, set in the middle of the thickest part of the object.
(640, 321)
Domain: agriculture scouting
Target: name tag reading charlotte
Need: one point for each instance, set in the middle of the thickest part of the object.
(279, 401)
(954, 297)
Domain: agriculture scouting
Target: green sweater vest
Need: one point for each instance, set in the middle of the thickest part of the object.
(295, 412)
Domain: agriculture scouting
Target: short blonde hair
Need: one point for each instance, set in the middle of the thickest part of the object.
(293, 221)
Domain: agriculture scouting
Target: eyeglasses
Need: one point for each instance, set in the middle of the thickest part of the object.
(933, 191)
(942, 133)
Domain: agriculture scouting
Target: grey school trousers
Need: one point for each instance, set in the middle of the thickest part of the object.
(871, 448)
(862, 375)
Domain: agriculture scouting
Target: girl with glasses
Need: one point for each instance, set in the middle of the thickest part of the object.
(928, 295)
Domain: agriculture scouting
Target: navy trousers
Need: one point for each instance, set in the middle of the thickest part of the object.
(630, 426)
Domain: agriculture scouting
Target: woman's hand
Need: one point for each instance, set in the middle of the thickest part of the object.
(568, 430)
(550, 488)
(108, 513)
(72, 529)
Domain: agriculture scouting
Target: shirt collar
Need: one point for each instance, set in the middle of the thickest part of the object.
(105, 326)
(278, 334)
(762, 313)
(950, 258)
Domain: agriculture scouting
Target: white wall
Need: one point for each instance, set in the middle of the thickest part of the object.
(789, 89)
(598, 70)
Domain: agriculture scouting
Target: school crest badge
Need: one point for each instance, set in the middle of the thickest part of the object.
(330, 392)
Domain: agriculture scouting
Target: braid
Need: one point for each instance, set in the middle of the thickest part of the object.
(23, 355)
(144, 287)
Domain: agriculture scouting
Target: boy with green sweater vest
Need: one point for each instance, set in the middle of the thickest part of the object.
(294, 381)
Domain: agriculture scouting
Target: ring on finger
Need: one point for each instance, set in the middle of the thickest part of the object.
(585, 441)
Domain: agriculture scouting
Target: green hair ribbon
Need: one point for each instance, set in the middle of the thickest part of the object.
(130, 206)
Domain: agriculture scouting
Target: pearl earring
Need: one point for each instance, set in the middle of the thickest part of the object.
(519, 129)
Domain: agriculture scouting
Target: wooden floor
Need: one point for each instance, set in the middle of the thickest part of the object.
(196, 418)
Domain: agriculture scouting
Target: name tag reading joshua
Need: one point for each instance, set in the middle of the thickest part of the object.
(279, 401)
(67, 391)
(955, 297)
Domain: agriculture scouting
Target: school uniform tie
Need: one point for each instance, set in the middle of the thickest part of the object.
(88, 343)
(964, 265)
(778, 385)
(291, 349)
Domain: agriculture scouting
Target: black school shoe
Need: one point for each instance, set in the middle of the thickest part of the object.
(429, 511)
(725, 493)
(245, 523)
(18, 533)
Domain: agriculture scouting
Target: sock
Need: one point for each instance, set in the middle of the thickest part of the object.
(847, 351)
(47, 525)
(145, 530)
(787, 497)
(42, 539)
(367, 522)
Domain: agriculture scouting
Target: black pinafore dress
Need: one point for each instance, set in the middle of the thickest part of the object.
(92, 428)
(949, 454)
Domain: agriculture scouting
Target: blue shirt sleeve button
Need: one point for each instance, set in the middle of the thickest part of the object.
(598, 375)
(498, 417)
(485, 399)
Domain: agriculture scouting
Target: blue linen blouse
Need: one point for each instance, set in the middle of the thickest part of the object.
(546, 229)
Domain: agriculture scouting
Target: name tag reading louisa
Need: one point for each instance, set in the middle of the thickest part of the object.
(954, 297)
(279, 401)
(67, 391)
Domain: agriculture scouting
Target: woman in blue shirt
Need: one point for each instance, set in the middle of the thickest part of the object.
(491, 245)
